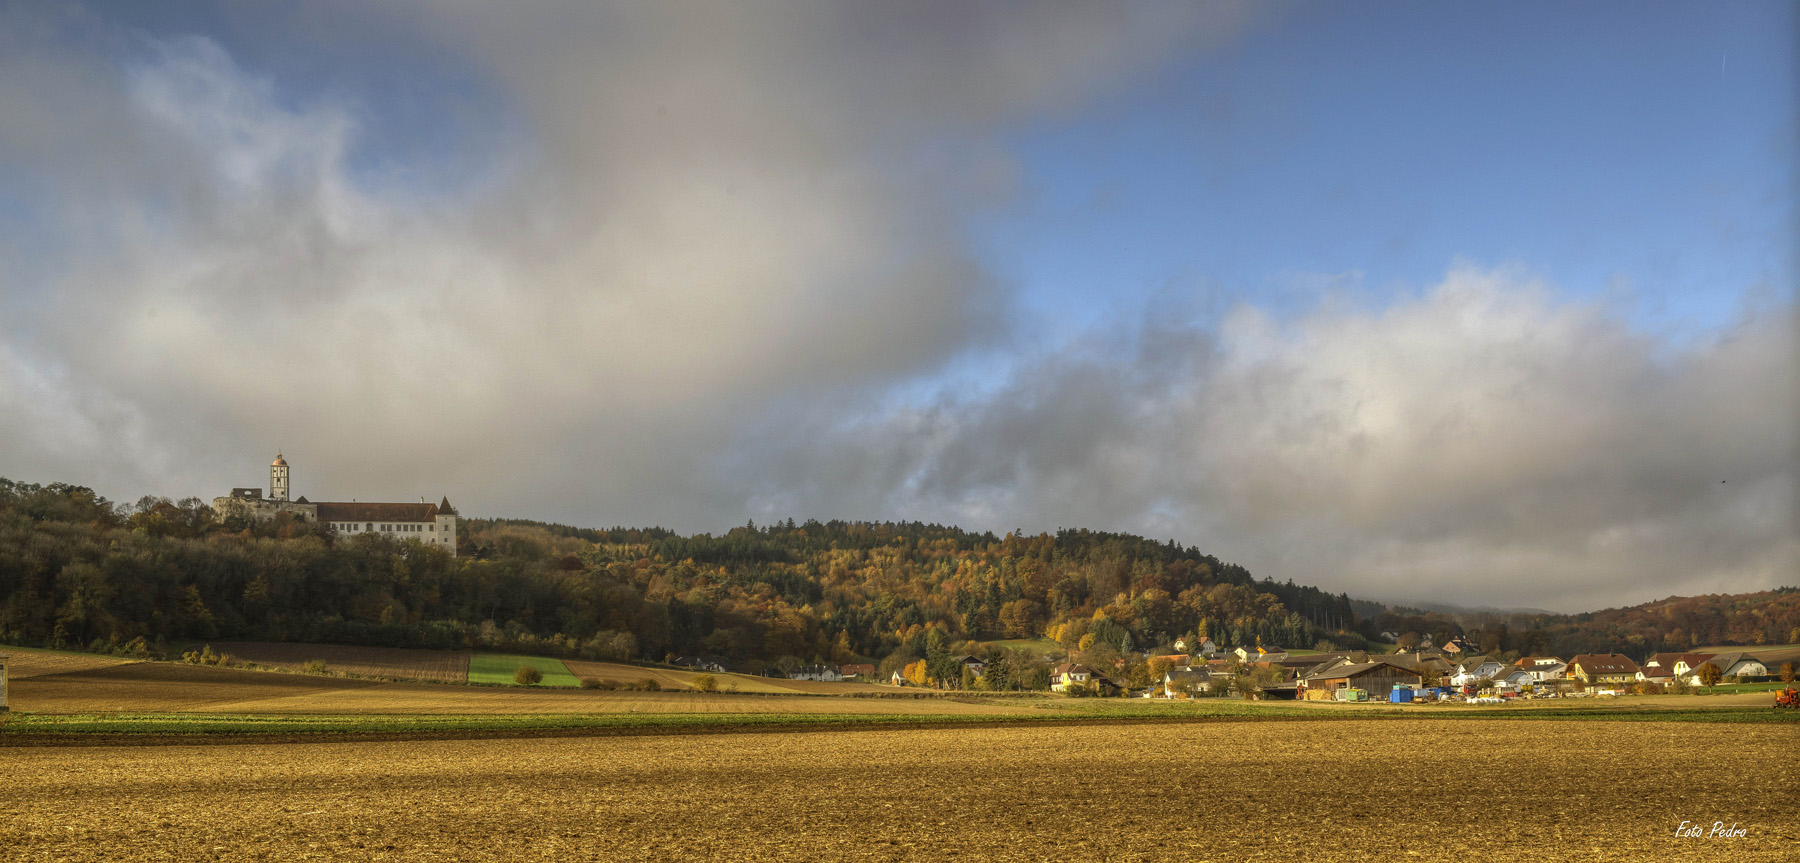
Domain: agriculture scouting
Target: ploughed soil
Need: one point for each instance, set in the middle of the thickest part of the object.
(445, 666)
(1355, 790)
(161, 687)
(23, 662)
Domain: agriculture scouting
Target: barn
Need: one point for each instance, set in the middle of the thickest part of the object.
(1377, 677)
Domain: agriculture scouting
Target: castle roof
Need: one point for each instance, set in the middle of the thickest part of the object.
(279, 461)
(377, 512)
(445, 508)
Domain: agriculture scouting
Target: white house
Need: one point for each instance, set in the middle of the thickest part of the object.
(1731, 665)
(1478, 668)
(825, 673)
(1186, 681)
(1543, 668)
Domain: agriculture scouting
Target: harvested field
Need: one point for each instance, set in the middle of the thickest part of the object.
(32, 662)
(152, 687)
(445, 666)
(165, 687)
(1325, 791)
(664, 677)
(671, 679)
(424, 699)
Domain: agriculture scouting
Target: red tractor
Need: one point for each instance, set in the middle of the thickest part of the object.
(1789, 697)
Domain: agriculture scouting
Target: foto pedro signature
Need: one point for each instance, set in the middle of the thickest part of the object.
(1717, 831)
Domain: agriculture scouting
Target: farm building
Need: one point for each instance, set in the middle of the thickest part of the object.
(1378, 677)
(863, 670)
(816, 672)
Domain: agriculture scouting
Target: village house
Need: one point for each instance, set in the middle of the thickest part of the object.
(1542, 668)
(1186, 681)
(1259, 653)
(1477, 668)
(1664, 667)
(1730, 665)
(1458, 647)
(1592, 668)
(1075, 675)
(1205, 646)
(862, 670)
(974, 664)
(823, 673)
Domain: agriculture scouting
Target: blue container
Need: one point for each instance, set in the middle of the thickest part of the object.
(1400, 696)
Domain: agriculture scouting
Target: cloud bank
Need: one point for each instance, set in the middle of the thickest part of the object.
(701, 262)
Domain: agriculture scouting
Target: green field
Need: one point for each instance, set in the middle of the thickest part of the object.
(499, 668)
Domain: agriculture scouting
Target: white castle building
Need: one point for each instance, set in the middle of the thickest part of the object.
(430, 523)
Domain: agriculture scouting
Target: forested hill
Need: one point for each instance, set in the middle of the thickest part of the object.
(75, 569)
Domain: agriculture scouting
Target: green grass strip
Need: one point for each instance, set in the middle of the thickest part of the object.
(500, 667)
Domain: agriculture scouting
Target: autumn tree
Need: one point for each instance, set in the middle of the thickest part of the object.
(1710, 675)
(1787, 672)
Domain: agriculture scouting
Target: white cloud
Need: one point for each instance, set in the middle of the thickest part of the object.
(1482, 443)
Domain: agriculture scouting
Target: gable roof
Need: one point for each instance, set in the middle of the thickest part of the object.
(445, 508)
(339, 511)
(1356, 669)
(1604, 663)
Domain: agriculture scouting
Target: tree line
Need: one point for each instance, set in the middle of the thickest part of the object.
(79, 570)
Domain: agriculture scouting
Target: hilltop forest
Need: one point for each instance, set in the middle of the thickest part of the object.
(79, 570)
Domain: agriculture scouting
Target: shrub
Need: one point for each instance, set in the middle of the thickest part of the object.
(527, 675)
(1787, 672)
(315, 666)
(706, 683)
(649, 685)
(591, 683)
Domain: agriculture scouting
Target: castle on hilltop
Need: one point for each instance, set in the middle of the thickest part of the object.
(432, 524)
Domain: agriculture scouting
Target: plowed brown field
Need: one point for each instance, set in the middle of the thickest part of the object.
(155, 687)
(27, 662)
(447, 666)
(1361, 790)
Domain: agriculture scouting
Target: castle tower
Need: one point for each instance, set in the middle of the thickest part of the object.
(278, 478)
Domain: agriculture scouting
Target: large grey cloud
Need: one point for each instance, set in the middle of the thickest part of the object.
(703, 259)
(1480, 443)
(696, 209)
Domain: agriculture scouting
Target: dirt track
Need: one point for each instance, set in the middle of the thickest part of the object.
(1353, 790)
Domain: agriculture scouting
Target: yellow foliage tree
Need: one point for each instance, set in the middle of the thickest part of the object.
(915, 673)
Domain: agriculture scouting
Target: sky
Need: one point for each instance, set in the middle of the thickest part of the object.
(1419, 302)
